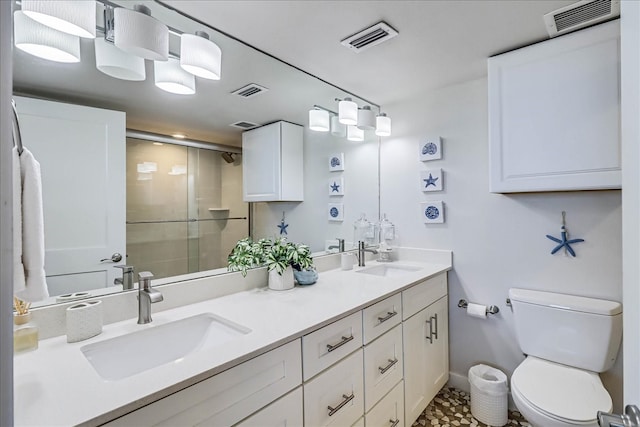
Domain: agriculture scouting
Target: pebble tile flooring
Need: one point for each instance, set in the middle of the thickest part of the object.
(451, 407)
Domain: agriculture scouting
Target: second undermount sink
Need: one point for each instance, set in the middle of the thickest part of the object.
(130, 354)
(388, 270)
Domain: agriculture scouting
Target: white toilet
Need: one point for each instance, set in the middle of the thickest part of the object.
(568, 340)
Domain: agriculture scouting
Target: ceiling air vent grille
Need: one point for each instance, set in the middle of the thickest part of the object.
(580, 15)
(369, 37)
(250, 90)
(244, 125)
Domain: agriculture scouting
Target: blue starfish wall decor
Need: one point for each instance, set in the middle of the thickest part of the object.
(335, 187)
(564, 241)
(430, 181)
(282, 226)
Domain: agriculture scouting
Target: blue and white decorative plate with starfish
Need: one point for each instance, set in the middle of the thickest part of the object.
(432, 212)
(430, 148)
(431, 180)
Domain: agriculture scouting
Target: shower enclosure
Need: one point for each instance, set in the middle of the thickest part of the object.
(184, 207)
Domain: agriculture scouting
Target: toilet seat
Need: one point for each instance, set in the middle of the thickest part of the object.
(560, 392)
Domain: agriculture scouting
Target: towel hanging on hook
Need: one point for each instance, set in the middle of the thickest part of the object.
(17, 137)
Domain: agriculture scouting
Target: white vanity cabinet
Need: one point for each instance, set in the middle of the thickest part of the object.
(228, 397)
(554, 114)
(272, 163)
(425, 338)
(284, 412)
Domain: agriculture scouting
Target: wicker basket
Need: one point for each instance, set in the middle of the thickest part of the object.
(489, 400)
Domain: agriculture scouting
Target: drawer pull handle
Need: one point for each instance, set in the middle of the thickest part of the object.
(389, 315)
(395, 422)
(389, 366)
(346, 400)
(345, 340)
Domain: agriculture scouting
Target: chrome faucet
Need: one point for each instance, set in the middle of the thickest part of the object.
(146, 296)
(127, 277)
(361, 253)
(339, 246)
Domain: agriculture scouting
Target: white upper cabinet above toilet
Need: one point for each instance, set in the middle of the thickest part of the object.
(554, 114)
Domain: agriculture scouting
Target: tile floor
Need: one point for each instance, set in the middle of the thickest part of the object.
(451, 408)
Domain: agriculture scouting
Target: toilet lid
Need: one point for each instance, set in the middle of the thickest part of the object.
(561, 391)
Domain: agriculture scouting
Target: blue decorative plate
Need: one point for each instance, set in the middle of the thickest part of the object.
(432, 212)
(430, 149)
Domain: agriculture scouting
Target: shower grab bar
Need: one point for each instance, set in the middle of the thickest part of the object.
(162, 221)
(17, 136)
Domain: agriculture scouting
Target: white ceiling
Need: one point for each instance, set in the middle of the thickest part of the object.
(440, 42)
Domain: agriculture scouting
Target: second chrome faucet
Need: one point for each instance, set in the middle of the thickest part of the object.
(146, 296)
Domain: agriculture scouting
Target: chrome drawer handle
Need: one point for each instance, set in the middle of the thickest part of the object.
(346, 400)
(395, 422)
(345, 340)
(389, 315)
(389, 366)
(435, 317)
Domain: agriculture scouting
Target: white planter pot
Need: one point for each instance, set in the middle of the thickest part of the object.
(282, 282)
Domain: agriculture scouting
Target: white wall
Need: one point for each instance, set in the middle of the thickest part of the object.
(498, 241)
(308, 220)
(630, 52)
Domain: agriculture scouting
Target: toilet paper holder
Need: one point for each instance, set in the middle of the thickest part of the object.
(492, 309)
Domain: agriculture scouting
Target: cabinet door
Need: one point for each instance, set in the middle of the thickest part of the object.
(284, 412)
(261, 164)
(426, 357)
(554, 114)
(335, 397)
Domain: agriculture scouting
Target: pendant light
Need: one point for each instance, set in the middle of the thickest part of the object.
(366, 118)
(138, 33)
(117, 63)
(200, 56)
(319, 120)
(383, 125)
(170, 77)
(337, 128)
(355, 134)
(348, 112)
(75, 17)
(43, 41)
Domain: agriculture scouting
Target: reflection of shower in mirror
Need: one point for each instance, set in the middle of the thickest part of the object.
(228, 157)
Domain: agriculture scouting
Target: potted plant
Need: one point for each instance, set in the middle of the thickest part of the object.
(282, 258)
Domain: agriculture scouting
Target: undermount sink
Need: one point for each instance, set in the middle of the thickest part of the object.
(388, 270)
(130, 354)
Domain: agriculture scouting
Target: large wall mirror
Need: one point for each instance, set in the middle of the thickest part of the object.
(182, 202)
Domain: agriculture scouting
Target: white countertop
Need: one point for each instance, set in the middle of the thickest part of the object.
(56, 385)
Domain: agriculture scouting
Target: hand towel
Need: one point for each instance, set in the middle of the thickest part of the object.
(18, 268)
(35, 288)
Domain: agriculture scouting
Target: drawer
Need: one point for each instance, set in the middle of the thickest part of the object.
(228, 397)
(423, 294)
(324, 347)
(380, 317)
(335, 397)
(359, 423)
(383, 361)
(390, 411)
(284, 412)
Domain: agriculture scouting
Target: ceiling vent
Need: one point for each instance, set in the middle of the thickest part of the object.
(250, 90)
(244, 125)
(369, 37)
(579, 15)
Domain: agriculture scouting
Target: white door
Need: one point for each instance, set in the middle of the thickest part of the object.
(81, 151)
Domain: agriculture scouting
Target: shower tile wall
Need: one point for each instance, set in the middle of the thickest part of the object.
(160, 187)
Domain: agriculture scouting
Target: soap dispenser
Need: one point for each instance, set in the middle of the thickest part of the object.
(387, 236)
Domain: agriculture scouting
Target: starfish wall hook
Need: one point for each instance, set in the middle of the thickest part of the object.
(282, 226)
(564, 241)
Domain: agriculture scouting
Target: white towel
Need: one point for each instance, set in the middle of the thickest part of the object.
(30, 283)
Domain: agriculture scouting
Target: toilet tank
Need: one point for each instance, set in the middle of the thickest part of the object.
(568, 329)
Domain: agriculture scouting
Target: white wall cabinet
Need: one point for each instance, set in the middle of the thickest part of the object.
(272, 163)
(425, 338)
(554, 114)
